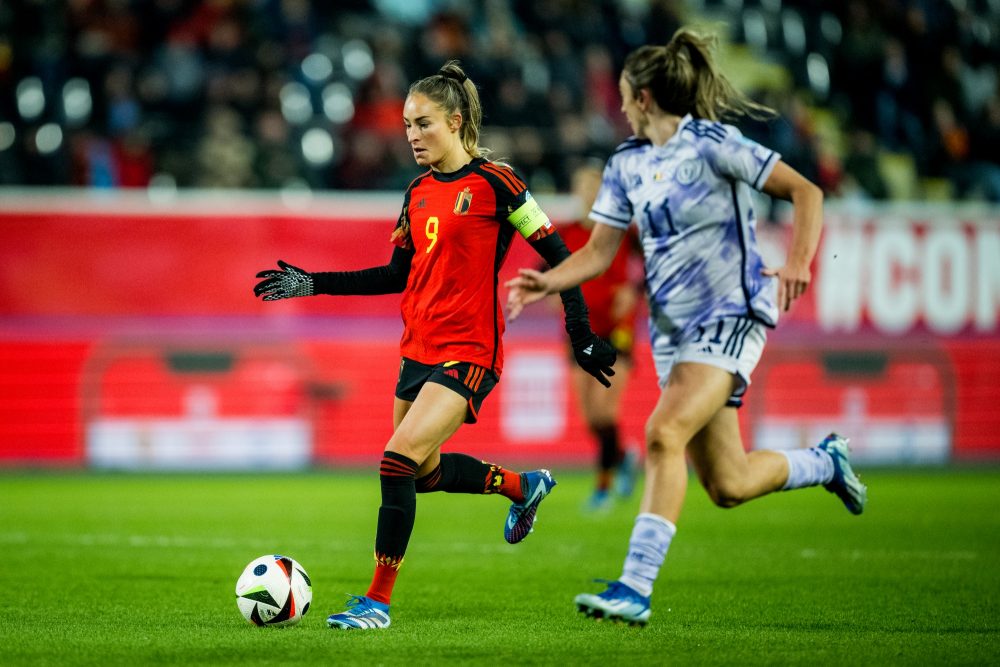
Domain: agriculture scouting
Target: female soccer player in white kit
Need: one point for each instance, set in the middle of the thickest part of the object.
(684, 179)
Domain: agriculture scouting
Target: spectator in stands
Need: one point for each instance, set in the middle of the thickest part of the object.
(861, 166)
(973, 173)
(612, 299)
(898, 101)
(164, 65)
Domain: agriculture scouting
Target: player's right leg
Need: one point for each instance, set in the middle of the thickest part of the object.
(692, 395)
(617, 602)
(362, 613)
(422, 427)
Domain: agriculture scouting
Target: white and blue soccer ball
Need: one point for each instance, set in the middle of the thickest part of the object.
(274, 590)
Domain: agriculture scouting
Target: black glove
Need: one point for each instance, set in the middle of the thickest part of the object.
(284, 284)
(594, 355)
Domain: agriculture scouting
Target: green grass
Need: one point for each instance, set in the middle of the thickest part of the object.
(118, 569)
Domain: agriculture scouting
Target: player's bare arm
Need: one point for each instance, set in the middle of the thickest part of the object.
(588, 262)
(807, 199)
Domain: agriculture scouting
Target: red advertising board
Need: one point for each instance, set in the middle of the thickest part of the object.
(129, 338)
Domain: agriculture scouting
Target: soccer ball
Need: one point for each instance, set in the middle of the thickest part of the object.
(273, 590)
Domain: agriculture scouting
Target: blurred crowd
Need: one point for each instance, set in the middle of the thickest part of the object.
(308, 94)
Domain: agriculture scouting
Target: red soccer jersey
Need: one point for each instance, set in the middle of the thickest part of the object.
(457, 225)
(599, 292)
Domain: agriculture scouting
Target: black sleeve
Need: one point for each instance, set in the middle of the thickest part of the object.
(388, 279)
(552, 249)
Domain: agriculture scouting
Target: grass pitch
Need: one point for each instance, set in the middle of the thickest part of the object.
(140, 569)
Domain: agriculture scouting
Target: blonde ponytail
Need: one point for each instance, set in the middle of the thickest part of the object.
(452, 90)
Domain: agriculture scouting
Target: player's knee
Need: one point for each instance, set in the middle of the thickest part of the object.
(599, 424)
(664, 437)
(725, 493)
(414, 447)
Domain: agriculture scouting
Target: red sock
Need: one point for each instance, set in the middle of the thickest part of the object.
(386, 570)
(505, 482)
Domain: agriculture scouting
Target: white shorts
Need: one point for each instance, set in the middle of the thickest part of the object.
(733, 344)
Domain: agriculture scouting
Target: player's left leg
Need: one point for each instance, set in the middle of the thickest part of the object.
(732, 476)
(733, 346)
(627, 459)
(600, 407)
(460, 473)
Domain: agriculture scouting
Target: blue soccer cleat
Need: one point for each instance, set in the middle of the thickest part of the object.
(521, 516)
(618, 603)
(845, 483)
(362, 613)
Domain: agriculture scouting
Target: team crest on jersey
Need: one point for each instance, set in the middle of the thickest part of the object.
(688, 171)
(463, 202)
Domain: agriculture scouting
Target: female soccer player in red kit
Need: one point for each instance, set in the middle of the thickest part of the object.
(457, 224)
(612, 299)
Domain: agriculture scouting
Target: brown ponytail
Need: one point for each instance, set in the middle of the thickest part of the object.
(685, 79)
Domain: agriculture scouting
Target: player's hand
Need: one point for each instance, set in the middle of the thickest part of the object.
(596, 356)
(792, 283)
(284, 283)
(528, 287)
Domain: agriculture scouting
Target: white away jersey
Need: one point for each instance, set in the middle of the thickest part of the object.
(690, 199)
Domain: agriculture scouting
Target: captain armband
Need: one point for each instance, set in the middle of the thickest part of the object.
(530, 220)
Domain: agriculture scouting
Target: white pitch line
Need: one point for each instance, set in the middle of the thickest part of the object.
(185, 542)
(886, 554)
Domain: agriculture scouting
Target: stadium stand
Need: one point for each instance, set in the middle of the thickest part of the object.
(895, 99)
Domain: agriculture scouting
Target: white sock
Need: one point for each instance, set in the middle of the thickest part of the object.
(647, 548)
(807, 467)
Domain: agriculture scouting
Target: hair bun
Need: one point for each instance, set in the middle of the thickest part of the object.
(457, 76)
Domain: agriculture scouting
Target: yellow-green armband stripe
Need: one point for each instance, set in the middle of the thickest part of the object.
(528, 218)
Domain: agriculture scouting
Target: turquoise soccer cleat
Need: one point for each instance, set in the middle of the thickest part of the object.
(617, 603)
(627, 473)
(362, 613)
(521, 517)
(599, 502)
(845, 483)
